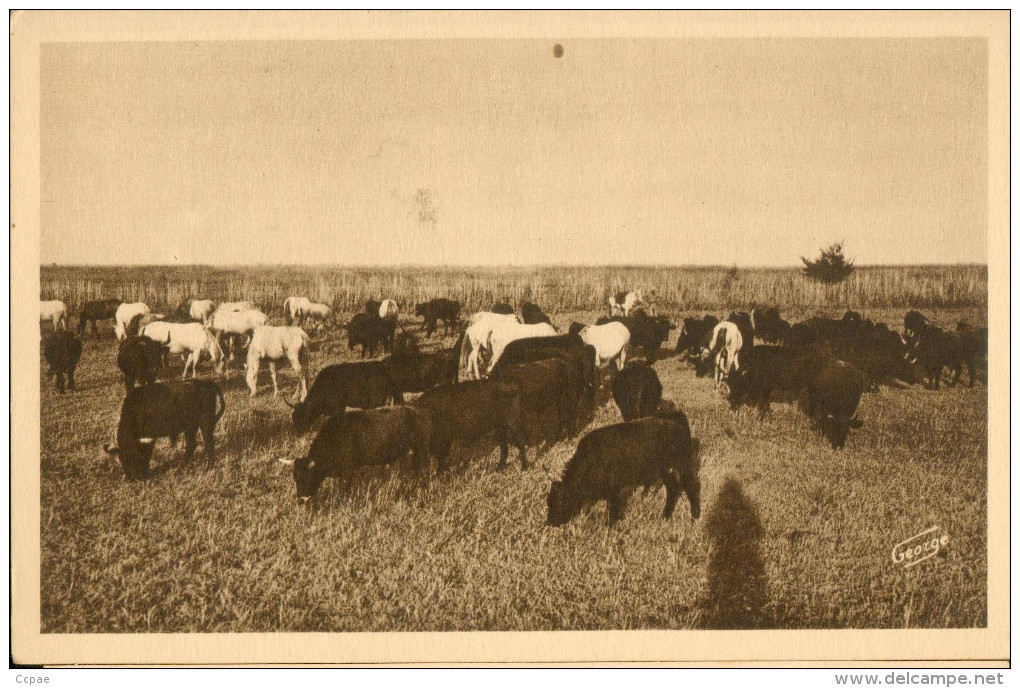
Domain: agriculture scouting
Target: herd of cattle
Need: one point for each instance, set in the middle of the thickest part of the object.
(503, 369)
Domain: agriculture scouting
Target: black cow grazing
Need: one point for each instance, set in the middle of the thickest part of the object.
(583, 375)
(62, 351)
(975, 342)
(813, 330)
(646, 332)
(502, 309)
(696, 335)
(468, 411)
(769, 326)
(612, 460)
(532, 314)
(913, 324)
(365, 385)
(361, 438)
(166, 410)
(94, 311)
(546, 387)
(439, 309)
(880, 355)
(834, 392)
(933, 349)
(140, 359)
(367, 331)
(769, 368)
(637, 391)
(414, 371)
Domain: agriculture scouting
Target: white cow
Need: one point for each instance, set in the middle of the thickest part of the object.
(276, 343)
(125, 313)
(389, 309)
(188, 339)
(53, 312)
(201, 310)
(506, 332)
(625, 301)
(610, 342)
(725, 346)
(295, 308)
(476, 337)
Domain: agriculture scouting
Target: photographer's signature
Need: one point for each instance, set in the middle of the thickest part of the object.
(924, 545)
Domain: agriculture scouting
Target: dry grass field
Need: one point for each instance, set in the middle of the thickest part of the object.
(792, 533)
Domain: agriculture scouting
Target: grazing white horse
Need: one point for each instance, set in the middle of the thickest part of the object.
(725, 346)
(188, 339)
(389, 309)
(506, 332)
(201, 310)
(276, 343)
(476, 337)
(235, 307)
(140, 321)
(624, 302)
(610, 342)
(236, 322)
(317, 313)
(295, 308)
(125, 314)
(54, 312)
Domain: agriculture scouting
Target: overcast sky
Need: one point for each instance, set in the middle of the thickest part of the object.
(714, 151)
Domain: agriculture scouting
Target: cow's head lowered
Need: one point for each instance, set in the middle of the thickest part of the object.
(135, 455)
(308, 477)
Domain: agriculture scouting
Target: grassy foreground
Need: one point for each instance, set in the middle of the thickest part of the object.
(792, 534)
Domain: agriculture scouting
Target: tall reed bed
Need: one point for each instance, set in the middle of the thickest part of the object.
(556, 289)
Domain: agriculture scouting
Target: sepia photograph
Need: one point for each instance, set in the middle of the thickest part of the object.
(375, 336)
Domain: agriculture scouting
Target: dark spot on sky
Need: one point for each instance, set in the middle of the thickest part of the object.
(557, 50)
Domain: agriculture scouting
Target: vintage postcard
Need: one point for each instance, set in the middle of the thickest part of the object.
(437, 338)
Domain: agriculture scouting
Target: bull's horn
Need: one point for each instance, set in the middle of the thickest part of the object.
(286, 462)
(146, 440)
(288, 403)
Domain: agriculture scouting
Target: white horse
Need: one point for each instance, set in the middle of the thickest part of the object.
(295, 308)
(235, 306)
(476, 337)
(506, 332)
(55, 313)
(725, 346)
(610, 342)
(201, 310)
(188, 339)
(276, 343)
(125, 314)
(317, 313)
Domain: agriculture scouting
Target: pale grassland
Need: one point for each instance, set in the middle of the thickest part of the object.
(792, 534)
(555, 289)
